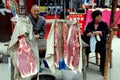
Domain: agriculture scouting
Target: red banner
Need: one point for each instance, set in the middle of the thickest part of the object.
(80, 18)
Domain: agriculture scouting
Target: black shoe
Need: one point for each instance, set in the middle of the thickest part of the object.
(102, 73)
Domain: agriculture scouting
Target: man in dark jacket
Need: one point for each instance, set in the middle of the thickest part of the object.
(39, 28)
(38, 22)
(97, 27)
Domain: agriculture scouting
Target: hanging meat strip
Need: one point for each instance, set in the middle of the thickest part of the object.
(76, 49)
(64, 40)
(73, 47)
(56, 36)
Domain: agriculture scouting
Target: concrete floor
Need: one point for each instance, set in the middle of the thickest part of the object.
(92, 71)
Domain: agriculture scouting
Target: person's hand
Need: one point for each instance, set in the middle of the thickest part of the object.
(37, 36)
(98, 32)
(89, 34)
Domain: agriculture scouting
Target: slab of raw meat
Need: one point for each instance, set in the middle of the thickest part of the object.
(26, 62)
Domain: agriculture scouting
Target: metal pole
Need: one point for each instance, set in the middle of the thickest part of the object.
(39, 2)
(55, 10)
(25, 7)
(76, 15)
(71, 5)
(92, 4)
(84, 63)
(11, 68)
(110, 3)
(80, 4)
(65, 9)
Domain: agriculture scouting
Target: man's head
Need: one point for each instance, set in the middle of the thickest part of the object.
(97, 16)
(35, 11)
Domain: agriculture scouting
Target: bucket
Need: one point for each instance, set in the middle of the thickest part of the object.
(72, 75)
(44, 77)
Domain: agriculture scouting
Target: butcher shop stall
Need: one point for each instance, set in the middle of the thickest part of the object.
(60, 53)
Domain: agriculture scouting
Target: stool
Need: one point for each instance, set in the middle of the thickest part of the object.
(96, 58)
